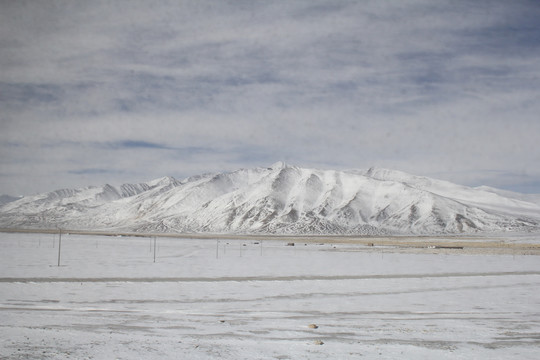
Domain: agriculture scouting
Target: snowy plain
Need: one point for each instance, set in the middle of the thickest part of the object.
(247, 299)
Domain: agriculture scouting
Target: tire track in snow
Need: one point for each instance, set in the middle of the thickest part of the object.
(258, 278)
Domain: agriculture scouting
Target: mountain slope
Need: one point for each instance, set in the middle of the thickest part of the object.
(279, 199)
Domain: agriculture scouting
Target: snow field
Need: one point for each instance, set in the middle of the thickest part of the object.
(206, 299)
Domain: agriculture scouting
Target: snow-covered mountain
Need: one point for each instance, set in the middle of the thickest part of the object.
(279, 199)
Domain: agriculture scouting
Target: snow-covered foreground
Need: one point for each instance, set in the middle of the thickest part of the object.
(207, 299)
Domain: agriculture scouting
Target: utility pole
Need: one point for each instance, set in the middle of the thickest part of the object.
(154, 249)
(59, 244)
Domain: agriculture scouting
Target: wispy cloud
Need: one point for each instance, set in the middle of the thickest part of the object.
(131, 144)
(93, 171)
(429, 87)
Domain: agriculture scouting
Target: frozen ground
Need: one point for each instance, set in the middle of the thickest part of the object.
(203, 299)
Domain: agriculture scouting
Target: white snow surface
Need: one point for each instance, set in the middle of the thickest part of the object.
(243, 299)
(280, 199)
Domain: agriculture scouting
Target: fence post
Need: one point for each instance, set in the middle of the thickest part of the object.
(59, 244)
(154, 249)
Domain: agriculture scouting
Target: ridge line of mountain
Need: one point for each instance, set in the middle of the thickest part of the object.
(280, 199)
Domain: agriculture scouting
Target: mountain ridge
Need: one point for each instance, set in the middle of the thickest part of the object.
(280, 199)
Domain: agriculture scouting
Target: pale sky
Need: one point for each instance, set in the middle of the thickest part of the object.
(95, 92)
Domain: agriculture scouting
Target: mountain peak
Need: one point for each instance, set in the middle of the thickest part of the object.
(278, 165)
(166, 180)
